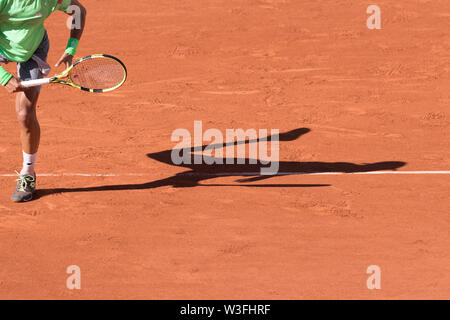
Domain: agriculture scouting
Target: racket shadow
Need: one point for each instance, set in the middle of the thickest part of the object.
(246, 173)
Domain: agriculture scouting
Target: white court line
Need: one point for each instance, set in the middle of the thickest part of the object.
(82, 175)
(321, 173)
(224, 174)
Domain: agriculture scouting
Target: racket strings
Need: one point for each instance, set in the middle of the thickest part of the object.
(98, 73)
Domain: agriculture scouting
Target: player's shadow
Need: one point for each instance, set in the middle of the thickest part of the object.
(202, 172)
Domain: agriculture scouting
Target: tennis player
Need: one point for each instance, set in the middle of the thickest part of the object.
(24, 40)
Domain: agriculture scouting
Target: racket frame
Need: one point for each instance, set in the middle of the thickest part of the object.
(58, 78)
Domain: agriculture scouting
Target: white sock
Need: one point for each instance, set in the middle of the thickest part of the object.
(28, 163)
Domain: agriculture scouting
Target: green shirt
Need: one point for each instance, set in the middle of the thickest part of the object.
(22, 27)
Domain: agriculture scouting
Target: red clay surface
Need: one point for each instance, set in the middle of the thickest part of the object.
(366, 96)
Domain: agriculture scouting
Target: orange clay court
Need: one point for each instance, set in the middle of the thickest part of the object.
(346, 99)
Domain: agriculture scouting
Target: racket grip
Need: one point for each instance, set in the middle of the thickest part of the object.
(35, 83)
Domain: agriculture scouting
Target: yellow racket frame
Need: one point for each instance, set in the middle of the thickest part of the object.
(65, 74)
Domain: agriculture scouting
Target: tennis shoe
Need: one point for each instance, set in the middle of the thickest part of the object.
(26, 187)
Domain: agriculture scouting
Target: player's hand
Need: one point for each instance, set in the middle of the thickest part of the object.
(14, 86)
(66, 59)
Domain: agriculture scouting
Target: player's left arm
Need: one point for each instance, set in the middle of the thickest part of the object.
(75, 33)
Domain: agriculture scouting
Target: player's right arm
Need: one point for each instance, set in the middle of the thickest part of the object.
(14, 86)
(11, 84)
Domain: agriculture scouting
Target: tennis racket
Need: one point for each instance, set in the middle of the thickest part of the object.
(95, 73)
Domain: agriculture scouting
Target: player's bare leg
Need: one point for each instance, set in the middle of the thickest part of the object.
(30, 131)
(30, 134)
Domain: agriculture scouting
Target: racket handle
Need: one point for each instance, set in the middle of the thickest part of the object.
(35, 83)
